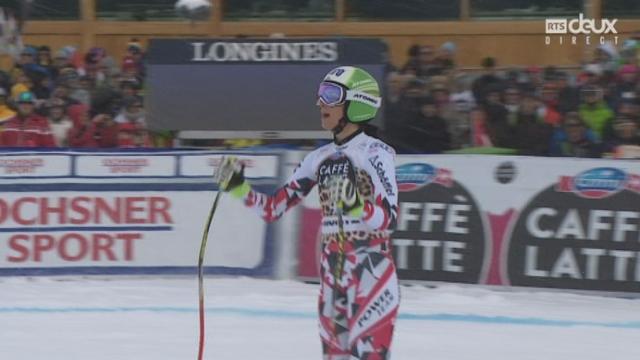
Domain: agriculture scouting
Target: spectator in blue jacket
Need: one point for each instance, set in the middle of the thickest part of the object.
(574, 139)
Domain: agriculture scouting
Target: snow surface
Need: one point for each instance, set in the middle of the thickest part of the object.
(149, 318)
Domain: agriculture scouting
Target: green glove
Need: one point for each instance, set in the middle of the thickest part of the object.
(349, 199)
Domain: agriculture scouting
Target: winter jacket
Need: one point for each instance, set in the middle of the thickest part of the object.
(82, 136)
(427, 135)
(597, 117)
(531, 136)
(32, 131)
(5, 114)
(490, 126)
(106, 135)
(60, 130)
(586, 148)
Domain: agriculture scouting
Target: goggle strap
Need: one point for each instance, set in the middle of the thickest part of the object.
(365, 98)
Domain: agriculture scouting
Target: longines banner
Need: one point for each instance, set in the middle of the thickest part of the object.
(299, 50)
(251, 85)
(533, 222)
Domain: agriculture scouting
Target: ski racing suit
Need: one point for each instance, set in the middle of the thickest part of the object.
(357, 306)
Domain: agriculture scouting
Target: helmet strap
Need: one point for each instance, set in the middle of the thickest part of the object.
(340, 126)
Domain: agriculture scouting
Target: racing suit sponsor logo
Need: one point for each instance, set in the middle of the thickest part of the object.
(380, 145)
(336, 165)
(384, 179)
(377, 308)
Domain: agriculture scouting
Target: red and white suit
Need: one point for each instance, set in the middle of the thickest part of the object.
(358, 307)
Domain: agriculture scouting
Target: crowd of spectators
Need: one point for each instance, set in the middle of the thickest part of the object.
(71, 99)
(591, 110)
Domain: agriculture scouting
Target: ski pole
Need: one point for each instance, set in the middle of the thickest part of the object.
(203, 245)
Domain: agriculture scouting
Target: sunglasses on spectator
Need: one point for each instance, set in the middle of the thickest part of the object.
(333, 95)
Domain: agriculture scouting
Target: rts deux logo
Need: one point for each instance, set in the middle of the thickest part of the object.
(580, 28)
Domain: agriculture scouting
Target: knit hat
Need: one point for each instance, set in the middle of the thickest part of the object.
(26, 97)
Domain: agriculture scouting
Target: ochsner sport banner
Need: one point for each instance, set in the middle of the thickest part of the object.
(129, 213)
(521, 221)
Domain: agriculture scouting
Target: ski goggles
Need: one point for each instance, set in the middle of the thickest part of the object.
(333, 94)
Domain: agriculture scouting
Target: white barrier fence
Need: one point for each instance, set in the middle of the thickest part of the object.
(534, 222)
(127, 212)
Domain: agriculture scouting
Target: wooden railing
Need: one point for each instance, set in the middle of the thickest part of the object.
(511, 42)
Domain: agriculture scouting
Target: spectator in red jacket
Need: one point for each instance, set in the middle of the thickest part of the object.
(549, 107)
(26, 128)
(83, 132)
(131, 135)
(100, 132)
(78, 114)
(106, 130)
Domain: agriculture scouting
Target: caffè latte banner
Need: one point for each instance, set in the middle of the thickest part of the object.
(513, 221)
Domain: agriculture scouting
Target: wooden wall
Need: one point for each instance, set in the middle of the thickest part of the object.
(511, 42)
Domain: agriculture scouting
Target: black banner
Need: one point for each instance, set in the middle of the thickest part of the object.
(251, 85)
(440, 234)
(581, 233)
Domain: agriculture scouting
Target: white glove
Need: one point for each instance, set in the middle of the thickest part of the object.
(229, 174)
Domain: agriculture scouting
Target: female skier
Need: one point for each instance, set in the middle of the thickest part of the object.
(356, 181)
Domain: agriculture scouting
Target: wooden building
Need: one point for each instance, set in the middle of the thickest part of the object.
(512, 40)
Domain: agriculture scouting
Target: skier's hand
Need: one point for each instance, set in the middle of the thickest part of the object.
(230, 175)
(348, 199)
